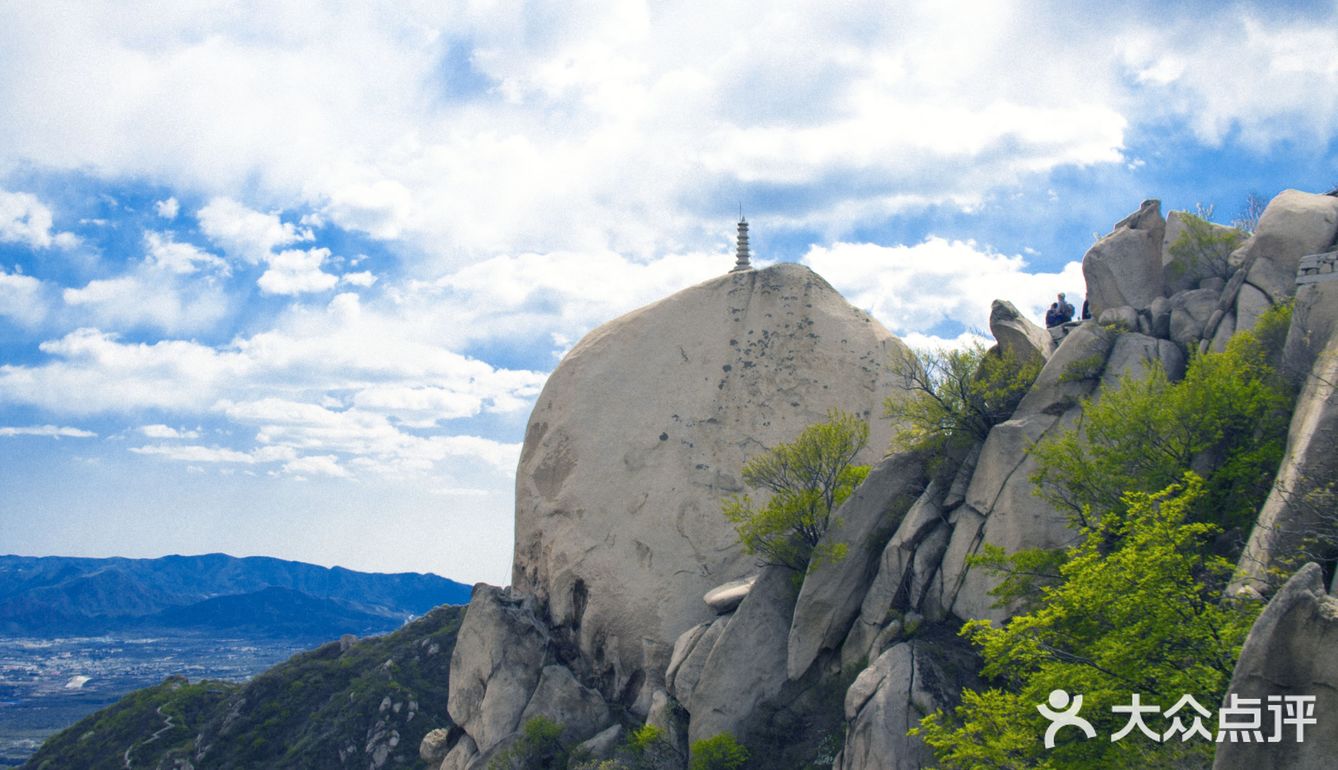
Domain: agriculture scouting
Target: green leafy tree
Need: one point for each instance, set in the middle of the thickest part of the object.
(1204, 248)
(650, 749)
(721, 752)
(951, 398)
(1227, 420)
(808, 478)
(1137, 609)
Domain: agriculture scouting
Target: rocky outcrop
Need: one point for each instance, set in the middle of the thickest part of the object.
(1293, 225)
(1000, 505)
(892, 695)
(725, 598)
(1290, 651)
(1299, 508)
(1015, 333)
(832, 591)
(562, 699)
(1125, 267)
(641, 431)
(632, 599)
(499, 656)
(746, 665)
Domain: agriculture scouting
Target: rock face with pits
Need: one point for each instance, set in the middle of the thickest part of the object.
(640, 434)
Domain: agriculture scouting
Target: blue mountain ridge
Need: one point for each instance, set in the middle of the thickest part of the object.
(49, 595)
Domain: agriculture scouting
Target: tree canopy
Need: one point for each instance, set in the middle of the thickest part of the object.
(808, 478)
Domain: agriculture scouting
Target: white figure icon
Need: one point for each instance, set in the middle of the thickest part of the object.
(1063, 713)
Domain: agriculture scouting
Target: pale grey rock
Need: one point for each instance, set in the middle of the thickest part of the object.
(461, 756)
(1015, 518)
(559, 697)
(967, 527)
(1314, 319)
(432, 749)
(1292, 513)
(1133, 355)
(641, 431)
(1014, 332)
(1275, 280)
(1290, 650)
(499, 654)
(886, 700)
(655, 659)
(856, 649)
(1186, 266)
(747, 664)
(1250, 304)
(1070, 374)
(604, 744)
(1222, 334)
(689, 673)
(831, 594)
(1215, 283)
(683, 646)
(896, 564)
(1125, 267)
(1190, 313)
(724, 598)
(666, 715)
(1293, 225)
(957, 490)
(1122, 317)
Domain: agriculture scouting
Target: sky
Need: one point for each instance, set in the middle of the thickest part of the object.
(287, 280)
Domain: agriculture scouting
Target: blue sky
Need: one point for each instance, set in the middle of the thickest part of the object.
(288, 281)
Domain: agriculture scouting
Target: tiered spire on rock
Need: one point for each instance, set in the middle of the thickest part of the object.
(741, 259)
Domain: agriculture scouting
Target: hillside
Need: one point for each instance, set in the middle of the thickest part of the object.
(348, 704)
(54, 595)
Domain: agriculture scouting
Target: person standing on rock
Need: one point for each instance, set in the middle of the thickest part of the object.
(1065, 310)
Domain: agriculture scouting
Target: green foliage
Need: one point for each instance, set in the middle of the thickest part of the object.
(1137, 609)
(650, 749)
(1203, 248)
(1227, 420)
(953, 397)
(539, 747)
(808, 478)
(721, 752)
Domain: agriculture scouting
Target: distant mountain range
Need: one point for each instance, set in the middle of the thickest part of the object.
(212, 593)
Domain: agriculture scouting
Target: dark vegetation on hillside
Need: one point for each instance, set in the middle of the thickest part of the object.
(348, 704)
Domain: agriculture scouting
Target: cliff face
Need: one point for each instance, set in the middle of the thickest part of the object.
(641, 431)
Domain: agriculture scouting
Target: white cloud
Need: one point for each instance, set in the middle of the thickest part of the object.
(363, 278)
(167, 209)
(50, 431)
(914, 289)
(297, 271)
(356, 383)
(244, 233)
(21, 298)
(25, 219)
(316, 465)
(593, 133)
(148, 298)
(161, 431)
(179, 258)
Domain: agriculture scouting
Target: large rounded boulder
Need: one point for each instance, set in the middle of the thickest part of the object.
(640, 434)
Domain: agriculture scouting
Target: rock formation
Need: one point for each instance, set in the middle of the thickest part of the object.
(1290, 651)
(633, 602)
